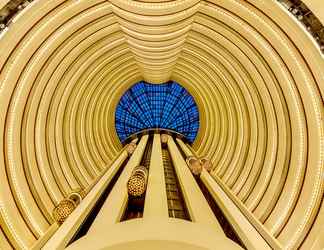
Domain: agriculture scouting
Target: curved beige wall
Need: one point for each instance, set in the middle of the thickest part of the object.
(257, 77)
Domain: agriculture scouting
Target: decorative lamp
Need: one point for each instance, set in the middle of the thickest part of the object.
(164, 139)
(63, 210)
(76, 196)
(130, 148)
(206, 164)
(194, 165)
(136, 185)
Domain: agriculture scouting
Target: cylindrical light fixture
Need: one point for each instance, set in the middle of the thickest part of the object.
(136, 185)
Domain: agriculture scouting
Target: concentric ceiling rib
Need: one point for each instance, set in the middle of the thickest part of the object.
(157, 43)
(255, 73)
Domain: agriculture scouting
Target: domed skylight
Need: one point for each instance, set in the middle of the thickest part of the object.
(165, 106)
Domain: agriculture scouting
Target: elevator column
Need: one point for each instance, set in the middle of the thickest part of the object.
(198, 208)
(115, 205)
(157, 228)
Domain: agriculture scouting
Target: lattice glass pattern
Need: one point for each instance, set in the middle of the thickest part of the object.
(166, 106)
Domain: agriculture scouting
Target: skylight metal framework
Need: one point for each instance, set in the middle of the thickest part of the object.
(165, 106)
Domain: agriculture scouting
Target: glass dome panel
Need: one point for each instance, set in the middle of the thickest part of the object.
(164, 106)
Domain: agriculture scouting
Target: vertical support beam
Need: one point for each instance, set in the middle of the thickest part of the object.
(113, 208)
(245, 230)
(156, 202)
(198, 208)
(251, 238)
(67, 230)
(185, 148)
(42, 240)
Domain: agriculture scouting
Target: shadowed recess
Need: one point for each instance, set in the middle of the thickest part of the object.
(164, 106)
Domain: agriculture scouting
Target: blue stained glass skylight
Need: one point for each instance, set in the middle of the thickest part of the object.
(165, 106)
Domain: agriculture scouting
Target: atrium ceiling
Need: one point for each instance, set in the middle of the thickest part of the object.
(255, 73)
